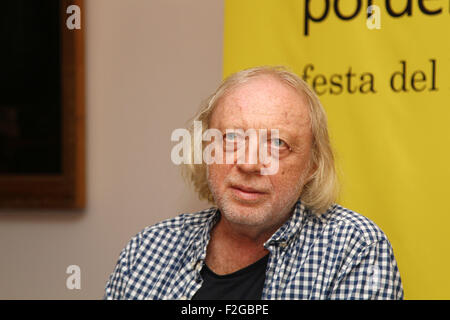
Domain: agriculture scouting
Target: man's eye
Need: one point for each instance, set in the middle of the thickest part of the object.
(278, 143)
(231, 136)
(234, 137)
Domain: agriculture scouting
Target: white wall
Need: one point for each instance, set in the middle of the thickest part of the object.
(149, 63)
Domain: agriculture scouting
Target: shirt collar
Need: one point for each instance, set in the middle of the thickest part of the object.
(280, 238)
(291, 227)
(201, 240)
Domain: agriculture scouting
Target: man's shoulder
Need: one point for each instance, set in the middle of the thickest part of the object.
(181, 224)
(185, 220)
(351, 223)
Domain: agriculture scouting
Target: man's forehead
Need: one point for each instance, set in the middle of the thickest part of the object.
(262, 104)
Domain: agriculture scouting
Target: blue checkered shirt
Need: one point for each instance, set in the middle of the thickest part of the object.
(337, 255)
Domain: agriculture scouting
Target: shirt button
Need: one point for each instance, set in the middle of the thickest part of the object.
(183, 298)
(283, 244)
(199, 266)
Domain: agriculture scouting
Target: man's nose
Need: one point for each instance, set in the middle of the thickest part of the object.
(249, 168)
(248, 158)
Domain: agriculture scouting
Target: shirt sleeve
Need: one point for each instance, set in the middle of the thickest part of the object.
(116, 286)
(372, 275)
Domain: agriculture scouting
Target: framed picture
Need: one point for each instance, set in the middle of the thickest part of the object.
(42, 114)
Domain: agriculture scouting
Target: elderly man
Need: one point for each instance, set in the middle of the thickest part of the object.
(269, 236)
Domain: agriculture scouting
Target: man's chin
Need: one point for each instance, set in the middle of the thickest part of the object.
(248, 214)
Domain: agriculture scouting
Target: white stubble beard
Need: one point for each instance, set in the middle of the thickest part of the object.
(267, 214)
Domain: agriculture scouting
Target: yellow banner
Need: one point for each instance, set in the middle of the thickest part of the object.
(382, 71)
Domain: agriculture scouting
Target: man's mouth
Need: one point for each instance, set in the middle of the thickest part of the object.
(247, 193)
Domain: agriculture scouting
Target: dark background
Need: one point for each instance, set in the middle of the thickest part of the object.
(30, 87)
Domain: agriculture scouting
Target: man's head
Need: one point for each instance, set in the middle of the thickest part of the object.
(268, 98)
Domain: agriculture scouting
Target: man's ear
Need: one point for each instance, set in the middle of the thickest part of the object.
(312, 168)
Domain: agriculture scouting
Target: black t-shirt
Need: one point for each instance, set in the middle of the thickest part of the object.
(244, 284)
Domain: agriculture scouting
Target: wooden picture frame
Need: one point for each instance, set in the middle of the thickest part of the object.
(65, 188)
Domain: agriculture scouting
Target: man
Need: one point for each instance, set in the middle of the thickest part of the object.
(270, 236)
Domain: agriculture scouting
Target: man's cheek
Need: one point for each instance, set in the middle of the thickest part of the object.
(217, 174)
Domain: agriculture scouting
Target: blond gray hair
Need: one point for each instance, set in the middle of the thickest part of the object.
(320, 191)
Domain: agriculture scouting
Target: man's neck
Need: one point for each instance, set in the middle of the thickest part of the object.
(233, 247)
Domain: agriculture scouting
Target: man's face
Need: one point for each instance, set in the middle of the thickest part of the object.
(243, 195)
